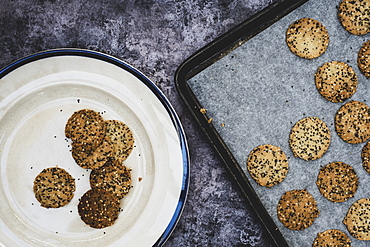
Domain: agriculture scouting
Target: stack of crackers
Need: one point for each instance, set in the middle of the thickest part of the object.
(100, 146)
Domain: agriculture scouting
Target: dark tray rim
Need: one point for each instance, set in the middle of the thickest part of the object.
(203, 58)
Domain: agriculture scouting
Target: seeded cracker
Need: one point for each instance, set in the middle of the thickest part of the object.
(54, 187)
(332, 237)
(354, 16)
(365, 155)
(297, 209)
(99, 208)
(121, 137)
(307, 38)
(85, 127)
(363, 59)
(309, 138)
(352, 122)
(268, 165)
(337, 181)
(112, 177)
(357, 219)
(92, 159)
(336, 81)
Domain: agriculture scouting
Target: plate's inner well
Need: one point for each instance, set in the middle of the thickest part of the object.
(36, 101)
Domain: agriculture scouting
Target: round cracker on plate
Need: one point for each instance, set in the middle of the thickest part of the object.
(92, 159)
(113, 177)
(120, 135)
(54, 187)
(99, 208)
(85, 127)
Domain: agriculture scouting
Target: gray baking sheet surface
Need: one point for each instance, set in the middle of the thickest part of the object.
(257, 92)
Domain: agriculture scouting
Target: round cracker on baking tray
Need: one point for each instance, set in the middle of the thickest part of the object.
(267, 165)
(309, 138)
(357, 219)
(307, 38)
(332, 237)
(337, 181)
(54, 187)
(352, 122)
(363, 59)
(297, 209)
(354, 16)
(121, 137)
(365, 155)
(113, 177)
(98, 208)
(85, 127)
(336, 81)
(92, 159)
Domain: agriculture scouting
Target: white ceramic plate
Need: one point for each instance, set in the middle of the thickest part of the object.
(37, 96)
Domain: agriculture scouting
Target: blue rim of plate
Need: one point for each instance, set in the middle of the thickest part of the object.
(157, 92)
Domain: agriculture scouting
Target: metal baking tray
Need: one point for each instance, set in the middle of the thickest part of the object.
(246, 88)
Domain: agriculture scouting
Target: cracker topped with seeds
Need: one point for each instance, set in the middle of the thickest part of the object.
(92, 159)
(309, 138)
(98, 208)
(363, 59)
(297, 209)
(332, 237)
(354, 16)
(85, 127)
(336, 81)
(268, 165)
(54, 187)
(121, 137)
(307, 38)
(365, 155)
(337, 181)
(357, 219)
(352, 122)
(112, 177)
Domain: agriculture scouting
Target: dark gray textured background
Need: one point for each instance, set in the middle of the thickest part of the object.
(155, 37)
